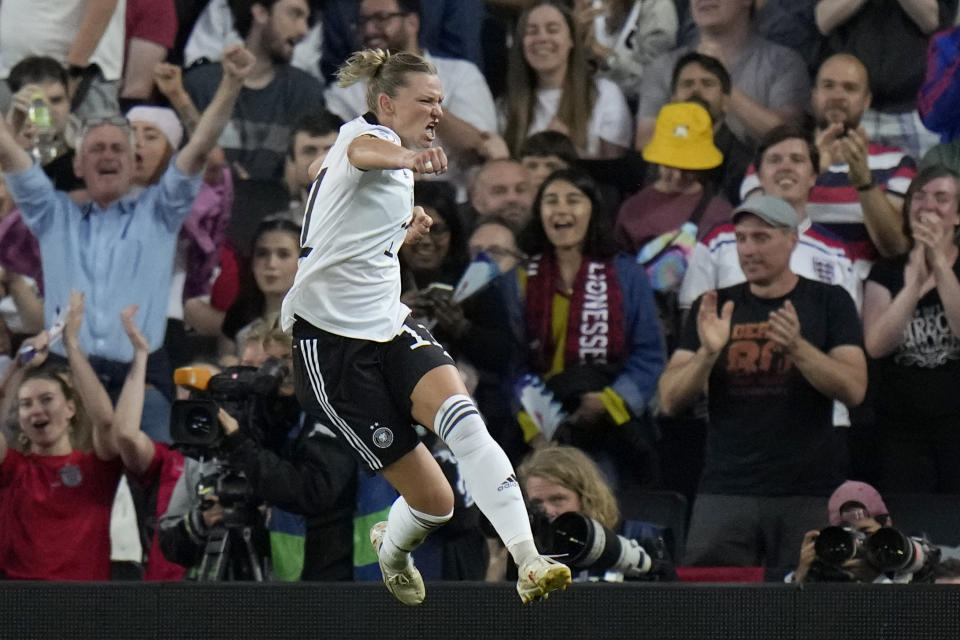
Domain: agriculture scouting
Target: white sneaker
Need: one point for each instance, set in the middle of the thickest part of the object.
(406, 585)
(540, 576)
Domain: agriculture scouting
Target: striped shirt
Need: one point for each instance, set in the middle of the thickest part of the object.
(835, 203)
(819, 255)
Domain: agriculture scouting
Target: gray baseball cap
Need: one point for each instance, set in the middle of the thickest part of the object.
(774, 211)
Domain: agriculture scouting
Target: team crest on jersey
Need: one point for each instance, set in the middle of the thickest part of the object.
(70, 475)
(824, 271)
(383, 437)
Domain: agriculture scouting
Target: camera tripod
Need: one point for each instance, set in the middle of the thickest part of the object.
(222, 553)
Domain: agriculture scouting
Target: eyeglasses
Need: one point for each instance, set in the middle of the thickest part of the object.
(116, 121)
(378, 19)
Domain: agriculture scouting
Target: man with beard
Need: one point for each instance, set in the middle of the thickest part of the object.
(275, 95)
(702, 78)
(858, 194)
(468, 130)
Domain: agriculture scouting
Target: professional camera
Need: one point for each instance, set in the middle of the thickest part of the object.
(581, 542)
(236, 547)
(892, 551)
(234, 494)
(246, 393)
(838, 544)
(887, 550)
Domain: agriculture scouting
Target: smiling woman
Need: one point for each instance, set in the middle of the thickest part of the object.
(441, 254)
(49, 488)
(590, 327)
(269, 275)
(552, 88)
(911, 320)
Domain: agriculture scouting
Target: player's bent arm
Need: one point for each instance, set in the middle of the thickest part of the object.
(367, 152)
(840, 374)
(685, 378)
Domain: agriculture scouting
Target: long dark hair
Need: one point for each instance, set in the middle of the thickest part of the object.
(250, 301)
(440, 196)
(598, 242)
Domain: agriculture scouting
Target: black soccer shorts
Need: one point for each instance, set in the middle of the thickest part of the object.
(362, 388)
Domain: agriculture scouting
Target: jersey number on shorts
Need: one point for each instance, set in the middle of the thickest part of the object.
(420, 342)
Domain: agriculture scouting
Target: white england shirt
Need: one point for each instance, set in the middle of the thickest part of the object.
(348, 277)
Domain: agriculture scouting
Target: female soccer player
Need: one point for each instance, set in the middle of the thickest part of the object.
(361, 363)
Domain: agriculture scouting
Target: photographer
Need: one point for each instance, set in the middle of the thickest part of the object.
(559, 480)
(861, 545)
(283, 460)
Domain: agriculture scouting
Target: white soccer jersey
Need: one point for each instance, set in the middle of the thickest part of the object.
(348, 278)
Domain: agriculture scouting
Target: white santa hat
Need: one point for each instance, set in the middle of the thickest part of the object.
(162, 118)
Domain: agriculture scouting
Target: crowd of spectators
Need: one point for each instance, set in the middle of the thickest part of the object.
(706, 247)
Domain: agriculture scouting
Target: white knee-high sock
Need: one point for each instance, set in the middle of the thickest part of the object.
(487, 471)
(406, 529)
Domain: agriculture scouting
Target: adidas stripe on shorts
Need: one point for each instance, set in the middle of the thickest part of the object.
(362, 388)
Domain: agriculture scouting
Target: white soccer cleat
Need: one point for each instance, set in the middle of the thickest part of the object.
(539, 577)
(406, 585)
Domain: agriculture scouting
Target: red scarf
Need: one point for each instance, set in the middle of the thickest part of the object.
(595, 325)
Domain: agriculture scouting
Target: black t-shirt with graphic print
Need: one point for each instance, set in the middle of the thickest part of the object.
(770, 430)
(921, 378)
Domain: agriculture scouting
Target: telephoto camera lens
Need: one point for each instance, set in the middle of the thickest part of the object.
(584, 543)
(890, 550)
(836, 545)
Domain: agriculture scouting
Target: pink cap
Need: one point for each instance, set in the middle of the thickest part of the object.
(853, 491)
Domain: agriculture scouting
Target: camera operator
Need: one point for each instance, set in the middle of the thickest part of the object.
(287, 462)
(861, 545)
(566, 493)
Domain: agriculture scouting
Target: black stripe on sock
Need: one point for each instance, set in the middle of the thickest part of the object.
(454, 415)
(467, 413)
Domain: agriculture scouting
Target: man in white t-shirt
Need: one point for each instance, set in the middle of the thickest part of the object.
(469, 125)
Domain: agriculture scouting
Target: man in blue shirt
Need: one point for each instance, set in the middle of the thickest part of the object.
(118, 248)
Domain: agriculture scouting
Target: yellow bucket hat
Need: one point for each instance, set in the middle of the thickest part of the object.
(683, 138)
